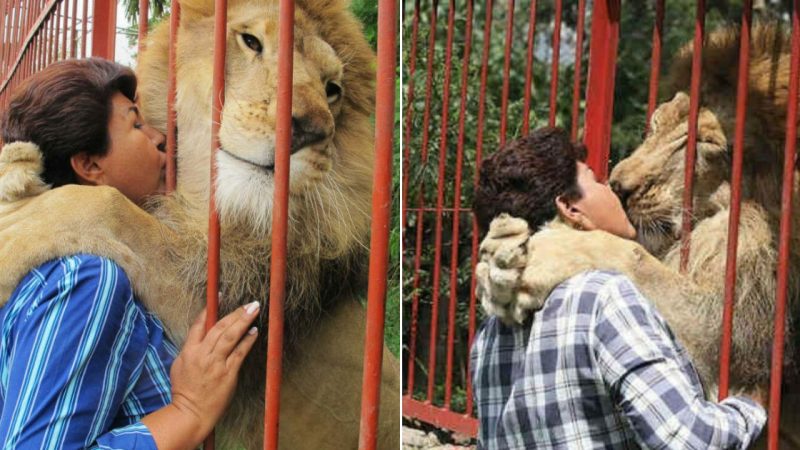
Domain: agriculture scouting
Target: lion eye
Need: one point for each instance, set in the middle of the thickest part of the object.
(252, 42)
(333, 91)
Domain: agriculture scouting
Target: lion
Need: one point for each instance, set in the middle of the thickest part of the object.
(164, 253)
(650, 185)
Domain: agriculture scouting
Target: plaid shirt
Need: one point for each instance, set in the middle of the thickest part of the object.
(598, 367)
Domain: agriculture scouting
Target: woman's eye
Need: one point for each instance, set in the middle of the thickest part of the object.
(137, 125)
(252, 42)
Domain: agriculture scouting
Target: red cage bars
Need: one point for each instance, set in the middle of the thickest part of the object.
(789, 167)
(36, 33)
(381, 214)
(428, 404)
(280, 213)
(736, 199)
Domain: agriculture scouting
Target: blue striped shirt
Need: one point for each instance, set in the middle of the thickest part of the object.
(81, 360)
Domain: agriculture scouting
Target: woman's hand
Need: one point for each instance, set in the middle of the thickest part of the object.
(204, 377)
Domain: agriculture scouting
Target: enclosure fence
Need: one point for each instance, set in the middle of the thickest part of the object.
(433, 399)
(36, 33)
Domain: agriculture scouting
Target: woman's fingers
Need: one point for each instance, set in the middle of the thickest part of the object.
(197, 330)
(242, 349)
(215, 332)
(238, 323)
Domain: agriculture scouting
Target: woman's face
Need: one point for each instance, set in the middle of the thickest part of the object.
(599, 208)
(133, 164)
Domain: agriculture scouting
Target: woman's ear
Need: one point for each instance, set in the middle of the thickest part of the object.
(86, 169)
(570, 212)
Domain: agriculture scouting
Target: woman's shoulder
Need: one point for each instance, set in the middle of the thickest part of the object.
(80, 267)
(83, 283)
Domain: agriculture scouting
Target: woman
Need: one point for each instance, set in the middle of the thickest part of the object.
(596, 365)
(82, 362)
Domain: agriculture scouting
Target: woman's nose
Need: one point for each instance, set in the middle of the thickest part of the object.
(156, 137)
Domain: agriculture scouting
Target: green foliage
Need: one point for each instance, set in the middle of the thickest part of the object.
(156, 9)
(435, 143)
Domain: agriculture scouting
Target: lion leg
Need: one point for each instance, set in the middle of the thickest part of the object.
(322, 387)
(755, 292)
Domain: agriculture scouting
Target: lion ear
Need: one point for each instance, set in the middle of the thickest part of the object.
(670, 112)
(201, 8)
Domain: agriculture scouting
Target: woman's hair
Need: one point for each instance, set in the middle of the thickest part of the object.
(65, 110)
(524, 178)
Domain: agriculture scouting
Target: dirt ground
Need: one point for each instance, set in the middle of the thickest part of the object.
(419, 436)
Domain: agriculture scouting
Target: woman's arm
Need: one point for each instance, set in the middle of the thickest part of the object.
(203, 379)
(74, 341)
(656, 387)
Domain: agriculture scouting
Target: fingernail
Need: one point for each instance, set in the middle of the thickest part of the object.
(251, 308)
(252, 331)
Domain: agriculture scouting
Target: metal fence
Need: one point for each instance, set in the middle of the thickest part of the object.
(36, 33)
(432, 223)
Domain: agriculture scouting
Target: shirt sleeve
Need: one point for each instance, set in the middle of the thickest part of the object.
(638, 361)
(76, 348)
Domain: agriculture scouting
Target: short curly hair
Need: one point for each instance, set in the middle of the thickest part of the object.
(65, 109)
(525, 176)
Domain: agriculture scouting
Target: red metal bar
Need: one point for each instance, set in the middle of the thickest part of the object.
(35, 53)
(64, 30)
(53, 44)
(84, 22)
(655, 62)
(10, 82)
(3, 29)
(57, 24)
(9, 38)
(25, 26)
(437, 269)
(506, 71)
(600, 84)
(17, 35)
(174, 20)
(451, 320)
(73, 48)
(104, 31)
(439, 417)
(412, 340)
(280, 216)
(785, 234)
(736, 199)
(554, 65)
(691, 144)
(143, 14)
(487, 33)
(412, 67)
(526, 108)
(576, 83)
(218, 102)
(426, 117)
(381, 220)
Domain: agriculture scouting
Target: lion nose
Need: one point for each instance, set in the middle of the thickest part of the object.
(622, 192)
(305, 132)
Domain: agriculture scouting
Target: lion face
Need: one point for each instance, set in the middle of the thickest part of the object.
(650, 182)
(247, 133)
(332, 101)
